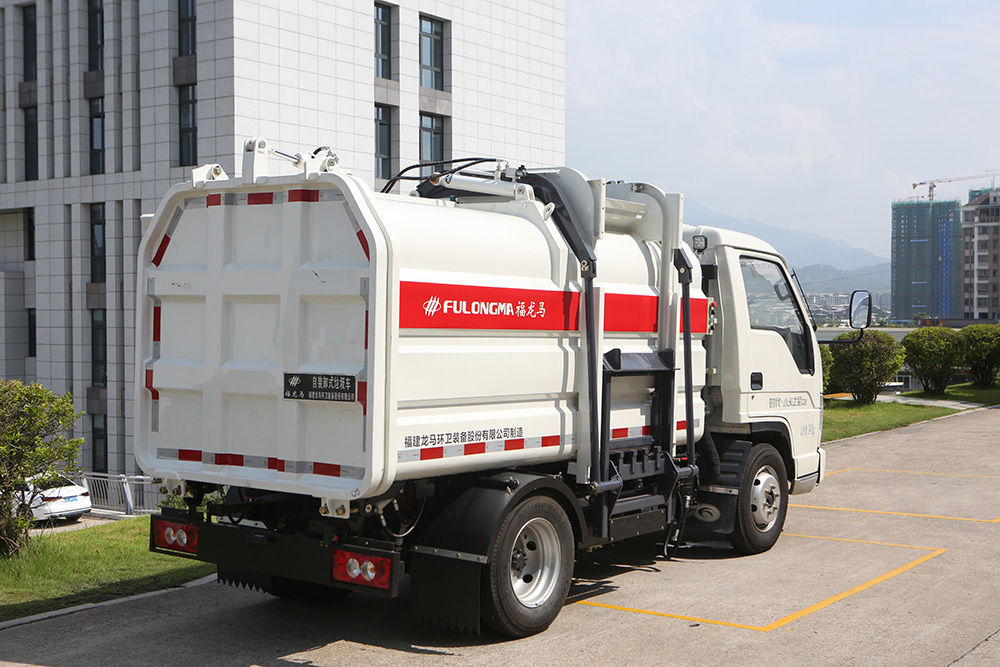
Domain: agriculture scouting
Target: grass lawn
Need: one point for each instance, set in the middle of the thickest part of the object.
(100, 563)
(964, 392)
(843, 419)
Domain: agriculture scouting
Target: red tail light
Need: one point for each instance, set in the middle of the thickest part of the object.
(362, 569)
(85, 494)
(49, 499)
(175, 536)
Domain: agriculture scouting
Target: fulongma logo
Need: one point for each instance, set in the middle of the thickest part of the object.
(434, 305)
(431, 306)
(294, 381)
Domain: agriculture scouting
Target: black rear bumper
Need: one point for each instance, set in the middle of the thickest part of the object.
(263, 554)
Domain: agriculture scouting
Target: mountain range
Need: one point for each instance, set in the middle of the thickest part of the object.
(822, 264)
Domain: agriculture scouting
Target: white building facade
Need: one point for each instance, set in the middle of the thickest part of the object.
(107, 103)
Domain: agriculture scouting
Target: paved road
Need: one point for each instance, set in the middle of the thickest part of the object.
(891, 561)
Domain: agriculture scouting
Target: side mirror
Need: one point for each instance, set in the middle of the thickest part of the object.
(861, 309)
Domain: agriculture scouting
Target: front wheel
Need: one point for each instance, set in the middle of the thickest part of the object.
(530, 568)
(762, 501)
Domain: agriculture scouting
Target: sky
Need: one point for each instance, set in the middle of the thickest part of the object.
(803, 114)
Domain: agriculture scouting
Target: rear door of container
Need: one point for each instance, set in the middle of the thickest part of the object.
(252, 338)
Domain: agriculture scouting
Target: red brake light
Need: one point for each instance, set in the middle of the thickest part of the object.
(175, 536)
(85, 494)
(362, 569)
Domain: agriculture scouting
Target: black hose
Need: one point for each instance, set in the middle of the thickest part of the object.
(709, 454)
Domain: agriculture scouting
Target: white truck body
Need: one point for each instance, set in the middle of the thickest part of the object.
(457, 324)
(498, 364)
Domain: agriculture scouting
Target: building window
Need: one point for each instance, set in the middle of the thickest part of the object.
(431, 53)
(95, 35)
(31, 144)
(99, 434)
(30, 53)
(187, 20)
(431, 141)
(383, 42)
(29, 235)
(98, 348)
(97, 135)
(188, 124)
(383, 142)
(98, 244)
(32, 328)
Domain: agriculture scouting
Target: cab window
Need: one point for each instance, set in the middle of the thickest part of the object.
(772, 307)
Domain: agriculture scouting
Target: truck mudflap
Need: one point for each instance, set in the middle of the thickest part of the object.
(448, 561)
(716, 511)
(265, 559)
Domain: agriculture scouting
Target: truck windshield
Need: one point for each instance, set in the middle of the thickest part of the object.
(772, 307)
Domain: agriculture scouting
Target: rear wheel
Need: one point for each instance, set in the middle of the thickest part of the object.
(762, 501)
(530, 568)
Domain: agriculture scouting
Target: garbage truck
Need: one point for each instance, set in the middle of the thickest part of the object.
(468, 384)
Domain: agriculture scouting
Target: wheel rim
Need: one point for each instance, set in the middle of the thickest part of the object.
(534, 562)
(765, 498)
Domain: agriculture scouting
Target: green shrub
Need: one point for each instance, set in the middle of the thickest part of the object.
(34, 423)
(933, 354)
(981, 345)
(863, 368)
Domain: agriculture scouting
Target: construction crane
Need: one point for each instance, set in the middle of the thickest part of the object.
(993, 173)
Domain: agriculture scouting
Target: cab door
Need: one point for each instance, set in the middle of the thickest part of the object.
(772, 348)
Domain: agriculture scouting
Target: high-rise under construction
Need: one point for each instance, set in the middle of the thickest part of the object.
(926, 256)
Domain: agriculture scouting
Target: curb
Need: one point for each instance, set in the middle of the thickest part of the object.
(45, 615)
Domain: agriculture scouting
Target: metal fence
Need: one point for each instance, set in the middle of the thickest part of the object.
(131, 494)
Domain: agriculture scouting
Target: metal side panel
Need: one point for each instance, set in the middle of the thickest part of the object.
(254, 330)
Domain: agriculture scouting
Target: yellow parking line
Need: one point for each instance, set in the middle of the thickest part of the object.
(919, 516)
(785, 620)
(905, 472)
(916, 472)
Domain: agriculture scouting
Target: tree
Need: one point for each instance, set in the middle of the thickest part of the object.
(863, 368)
(981, 344)
(34, 423)
(933, 354)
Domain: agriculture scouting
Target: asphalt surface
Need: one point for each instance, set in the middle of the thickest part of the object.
(891, 561)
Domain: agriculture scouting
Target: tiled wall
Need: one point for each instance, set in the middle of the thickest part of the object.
(301, 75)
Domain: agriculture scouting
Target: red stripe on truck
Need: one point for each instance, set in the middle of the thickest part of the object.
(441, 306)
(551, 441)
(303, 195)
(364, 243)
(446, 306)
(631, 312)
(431, 453)
(328, 469)
(156, 324)
(475, 448)
(213, 200)
(229, 459)
(257, 198)
(149, 385)
(275, 464)
(188, 455)
(160, 250)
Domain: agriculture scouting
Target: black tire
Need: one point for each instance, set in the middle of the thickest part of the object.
(304, 591)
(762, 501)
(530, 568)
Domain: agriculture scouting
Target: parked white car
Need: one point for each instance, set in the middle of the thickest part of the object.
(58, 498)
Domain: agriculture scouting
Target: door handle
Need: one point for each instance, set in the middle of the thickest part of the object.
(756, 381)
